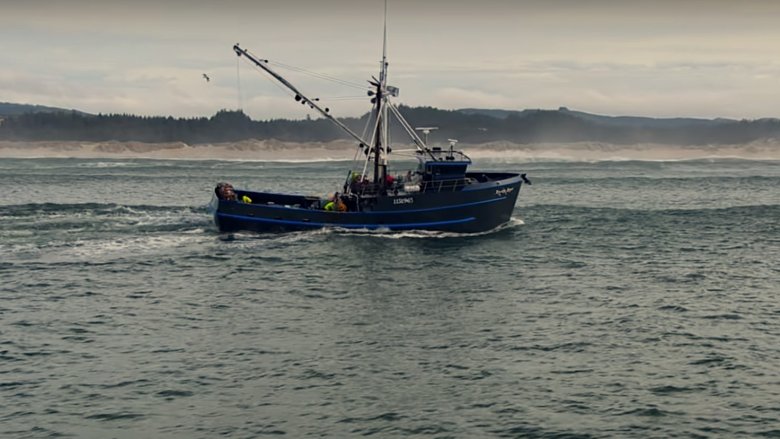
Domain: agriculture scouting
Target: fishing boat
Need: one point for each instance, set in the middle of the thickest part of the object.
(441, 193)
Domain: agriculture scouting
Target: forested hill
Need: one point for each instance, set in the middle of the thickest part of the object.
(468, 126)
(11, 109)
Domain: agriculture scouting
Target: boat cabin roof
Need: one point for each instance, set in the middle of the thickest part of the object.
(438, 154)
(438, 164)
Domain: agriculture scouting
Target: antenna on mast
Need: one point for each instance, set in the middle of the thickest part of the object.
(382, 140)
(382, 71)
(384, 42)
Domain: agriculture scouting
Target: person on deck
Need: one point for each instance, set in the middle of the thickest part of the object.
(225, 191)
(335, 203)
(340, 205)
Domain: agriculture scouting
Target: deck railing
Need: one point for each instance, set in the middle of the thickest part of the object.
(453, 185)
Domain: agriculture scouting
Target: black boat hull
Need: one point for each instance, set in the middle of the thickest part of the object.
(474, 208)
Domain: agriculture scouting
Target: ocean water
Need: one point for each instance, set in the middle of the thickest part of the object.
(625, 299)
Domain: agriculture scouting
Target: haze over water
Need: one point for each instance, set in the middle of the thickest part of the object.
(625, 299)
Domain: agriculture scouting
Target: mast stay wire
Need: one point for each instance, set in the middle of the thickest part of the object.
(285, 90)
(290, 93)
(373, 142)
(319, 75)
(359, 148)
(343, 98)
(418, 142)
(315, 74)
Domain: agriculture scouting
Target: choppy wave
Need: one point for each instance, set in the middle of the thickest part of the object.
(756, 210)
(73, 232)
(422, 234)
(628, 296)
(605, 152)
(276, 151)
(109, 215)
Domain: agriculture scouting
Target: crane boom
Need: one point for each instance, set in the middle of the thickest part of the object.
(298, 95)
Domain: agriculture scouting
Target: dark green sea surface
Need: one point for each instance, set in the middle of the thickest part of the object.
(625, 299)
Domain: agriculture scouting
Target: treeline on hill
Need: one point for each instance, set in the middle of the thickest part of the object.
(530, 126)
(225, 126)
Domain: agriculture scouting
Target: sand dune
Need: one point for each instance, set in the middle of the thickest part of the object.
(273, 150)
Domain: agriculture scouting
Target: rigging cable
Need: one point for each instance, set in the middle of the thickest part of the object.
(365, 130)
(318, 75)
(343, 98)
(420, 144)
(286, 91)
(291, 94)
(373, 144)
(238, 84)
(291, 90)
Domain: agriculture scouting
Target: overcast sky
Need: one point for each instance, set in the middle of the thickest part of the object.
(714, 58)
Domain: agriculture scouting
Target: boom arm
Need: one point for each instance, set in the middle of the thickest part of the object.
(298, 95)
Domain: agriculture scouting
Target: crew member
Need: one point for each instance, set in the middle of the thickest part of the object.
(225, 191)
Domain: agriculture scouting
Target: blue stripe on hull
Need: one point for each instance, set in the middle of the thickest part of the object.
(385, 212)
(396, 226)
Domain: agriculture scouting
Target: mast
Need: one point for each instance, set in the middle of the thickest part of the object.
(382, 105)
(381, 108)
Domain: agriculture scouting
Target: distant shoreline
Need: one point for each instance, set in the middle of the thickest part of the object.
(273, 150)
(249, 149)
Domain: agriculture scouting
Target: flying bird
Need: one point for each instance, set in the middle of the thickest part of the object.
(206, 77)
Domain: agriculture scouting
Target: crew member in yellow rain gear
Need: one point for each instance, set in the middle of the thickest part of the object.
(335, 203)
(330, 204)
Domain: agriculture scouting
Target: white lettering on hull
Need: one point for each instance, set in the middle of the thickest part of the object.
(405, 200)
(505, 191)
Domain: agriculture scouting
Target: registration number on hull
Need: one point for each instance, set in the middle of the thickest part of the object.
(404, 200)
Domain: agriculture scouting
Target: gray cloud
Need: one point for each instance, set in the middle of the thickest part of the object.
(689, 58)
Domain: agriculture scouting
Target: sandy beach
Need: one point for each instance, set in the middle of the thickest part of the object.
(274, 150)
